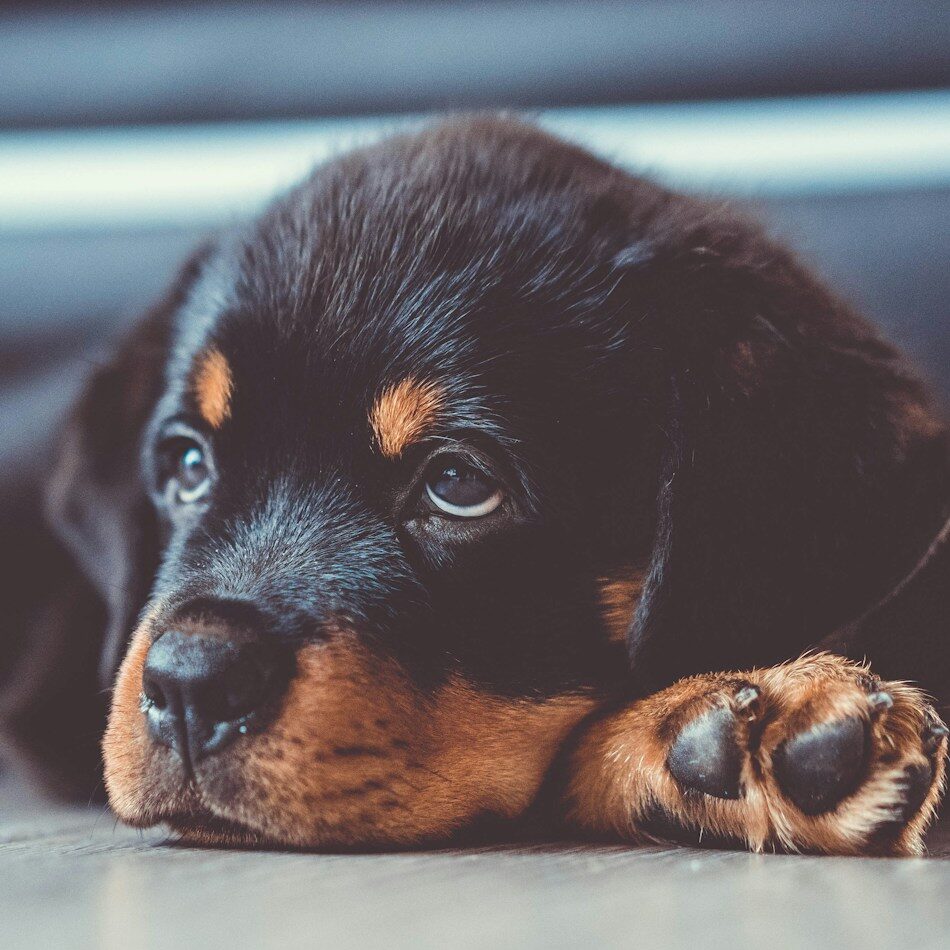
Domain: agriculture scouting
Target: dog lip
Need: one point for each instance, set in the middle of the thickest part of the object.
(203, 820)
(195, 815)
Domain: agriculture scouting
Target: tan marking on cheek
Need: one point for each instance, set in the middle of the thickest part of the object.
(496, 749)
(213, 386)
(144, 780)
(359, 756)
(403, 412)
(125, 745)
(619, 594)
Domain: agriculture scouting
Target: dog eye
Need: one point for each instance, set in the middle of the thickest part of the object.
(187, 470)
(458, 488)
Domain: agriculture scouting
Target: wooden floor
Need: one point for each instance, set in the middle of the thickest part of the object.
(72, 878)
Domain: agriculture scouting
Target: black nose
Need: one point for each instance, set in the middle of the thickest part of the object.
(202, 691)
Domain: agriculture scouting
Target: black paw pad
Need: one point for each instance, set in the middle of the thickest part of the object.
(818, 768)
(706, 756)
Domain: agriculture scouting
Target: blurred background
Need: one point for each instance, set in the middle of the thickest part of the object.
(130, 129)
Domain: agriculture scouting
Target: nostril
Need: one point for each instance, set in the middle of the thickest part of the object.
(204, 690)
(238, 691)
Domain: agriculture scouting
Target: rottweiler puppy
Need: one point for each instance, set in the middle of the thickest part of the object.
(436, 494)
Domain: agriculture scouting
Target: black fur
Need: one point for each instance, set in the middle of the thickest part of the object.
(655, 382)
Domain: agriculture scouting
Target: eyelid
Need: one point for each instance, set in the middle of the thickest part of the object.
(179, 427)
(484, 461)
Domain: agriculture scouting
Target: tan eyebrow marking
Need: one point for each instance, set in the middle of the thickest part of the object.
(403, 412)
(213, 387)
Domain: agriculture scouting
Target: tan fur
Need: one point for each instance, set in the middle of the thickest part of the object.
(213, 387)
(619, 773)
(358, 756)
(913, 420)
(619, 594)
(747, 367)
(403, 413)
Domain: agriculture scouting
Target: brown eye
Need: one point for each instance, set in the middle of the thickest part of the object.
(458, 488)
(193, 474)
(186, 470)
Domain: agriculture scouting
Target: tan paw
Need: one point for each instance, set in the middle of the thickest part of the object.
(816, 755)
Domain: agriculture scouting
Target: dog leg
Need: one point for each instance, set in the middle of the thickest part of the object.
(816, 755)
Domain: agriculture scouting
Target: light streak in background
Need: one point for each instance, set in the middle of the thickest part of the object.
(206, 175)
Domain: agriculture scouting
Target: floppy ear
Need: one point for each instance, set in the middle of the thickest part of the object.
(95, 501)
(802, 471)
(97, 506)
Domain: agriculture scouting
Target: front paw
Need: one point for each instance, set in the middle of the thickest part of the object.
(815, 755)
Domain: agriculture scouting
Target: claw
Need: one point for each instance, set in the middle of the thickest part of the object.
(934, 734)
(746, 697)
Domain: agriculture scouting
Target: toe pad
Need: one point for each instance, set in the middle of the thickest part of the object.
(819, 767)
(705, 755)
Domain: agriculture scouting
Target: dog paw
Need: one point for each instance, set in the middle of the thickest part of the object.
(816, 755)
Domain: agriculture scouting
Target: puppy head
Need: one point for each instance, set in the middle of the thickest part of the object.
(415, 452)
(381, 599)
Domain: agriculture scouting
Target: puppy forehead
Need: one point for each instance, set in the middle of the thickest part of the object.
(377, 375)
(395, 409)
(399, 245)
(381, 293)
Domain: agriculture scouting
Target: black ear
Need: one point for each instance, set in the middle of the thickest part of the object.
(101, 570)
(803, 473)
(96, 503)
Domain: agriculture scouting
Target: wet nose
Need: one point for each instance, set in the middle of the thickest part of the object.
(201, 692)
